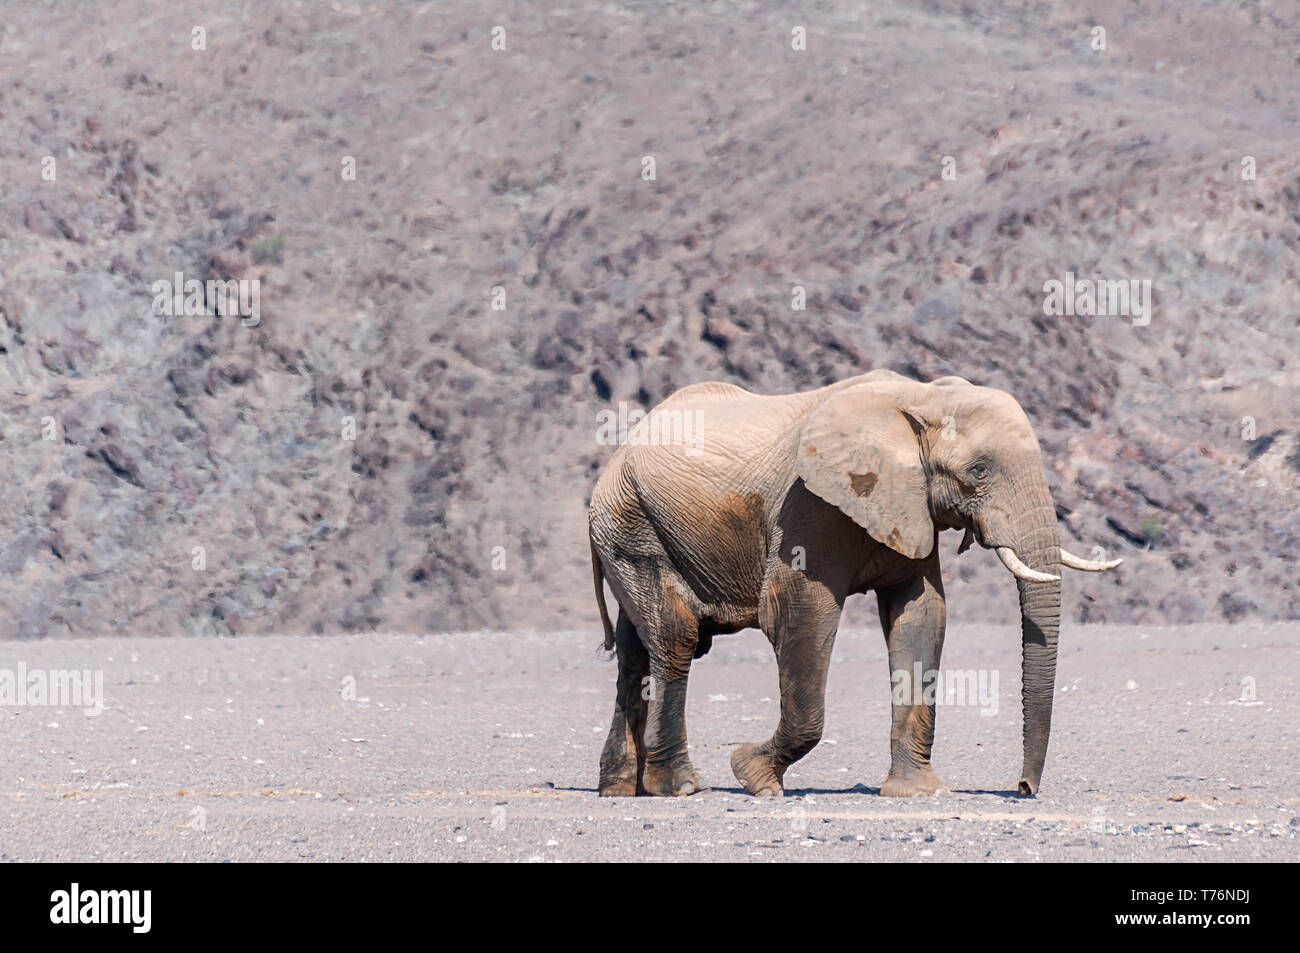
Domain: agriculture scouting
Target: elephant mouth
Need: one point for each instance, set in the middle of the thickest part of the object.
(1015, 565)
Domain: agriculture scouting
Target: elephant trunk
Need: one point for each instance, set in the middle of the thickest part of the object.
(1039, 547)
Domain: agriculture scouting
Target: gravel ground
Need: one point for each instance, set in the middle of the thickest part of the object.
(1170, 744)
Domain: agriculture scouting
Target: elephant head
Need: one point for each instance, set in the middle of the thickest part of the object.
(904, 459)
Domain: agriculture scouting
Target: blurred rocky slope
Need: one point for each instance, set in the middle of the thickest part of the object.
(521, 168)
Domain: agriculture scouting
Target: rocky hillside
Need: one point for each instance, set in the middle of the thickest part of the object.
(462, 261)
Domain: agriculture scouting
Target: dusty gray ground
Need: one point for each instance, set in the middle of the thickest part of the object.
(484, 747)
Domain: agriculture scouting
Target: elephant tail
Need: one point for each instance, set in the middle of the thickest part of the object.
(599, 576)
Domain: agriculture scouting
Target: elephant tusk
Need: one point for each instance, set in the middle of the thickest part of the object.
(1071, 561)
(1020, 570)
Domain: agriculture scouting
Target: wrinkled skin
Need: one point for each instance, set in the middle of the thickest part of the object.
(769, 514)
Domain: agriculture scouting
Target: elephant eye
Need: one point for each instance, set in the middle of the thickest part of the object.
(978, 470)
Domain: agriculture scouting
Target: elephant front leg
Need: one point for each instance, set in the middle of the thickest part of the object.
(913, 616)
(622, 762)
(800, 620)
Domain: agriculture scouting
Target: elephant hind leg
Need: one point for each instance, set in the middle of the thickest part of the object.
(671, 640)
(622, 762)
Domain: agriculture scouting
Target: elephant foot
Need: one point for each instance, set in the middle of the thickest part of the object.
(674, 779)
(620, 787)
(754, 768)
(914, 783)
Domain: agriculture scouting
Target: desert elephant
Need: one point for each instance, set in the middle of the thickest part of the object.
(725, 510)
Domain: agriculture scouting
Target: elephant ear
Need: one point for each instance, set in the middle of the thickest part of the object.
(859, 452)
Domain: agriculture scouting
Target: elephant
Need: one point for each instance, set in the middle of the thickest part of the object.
(724, 510)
